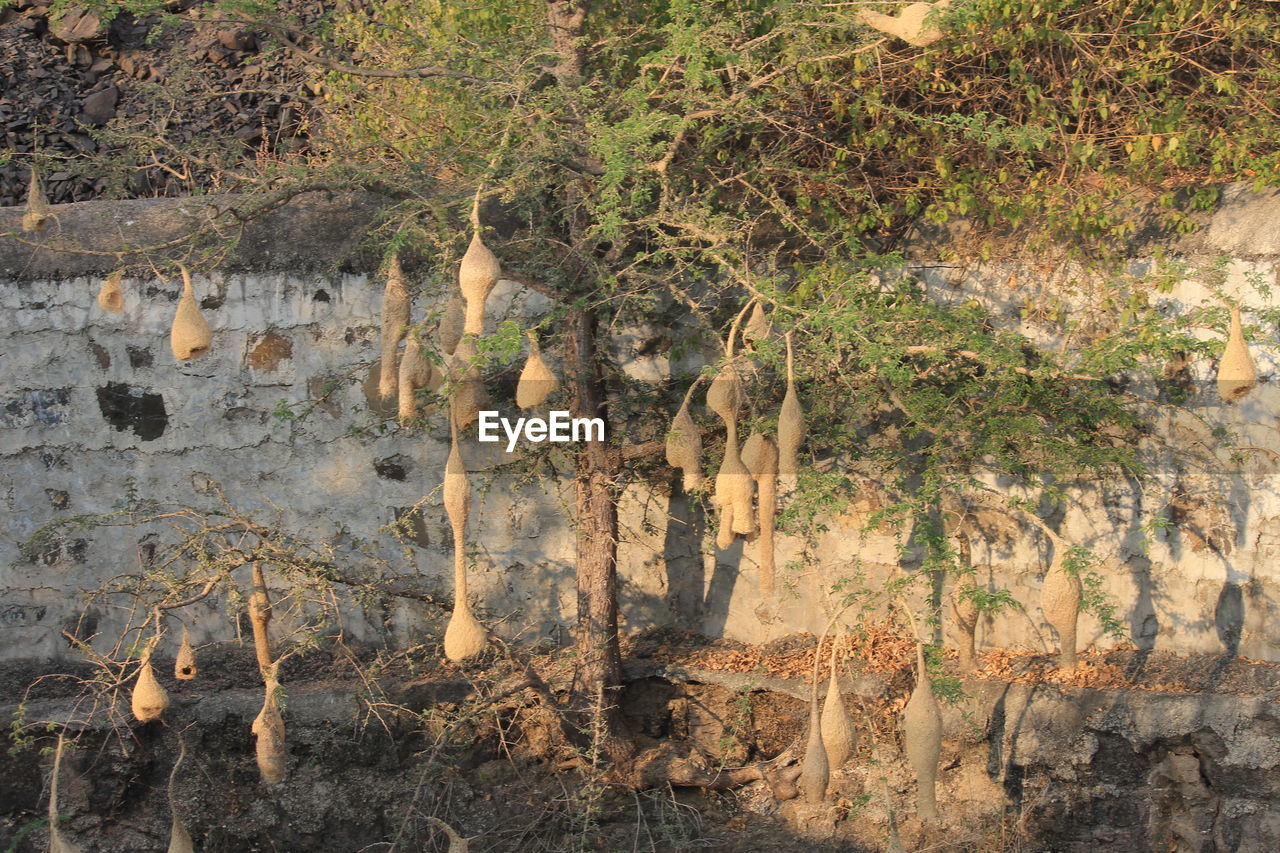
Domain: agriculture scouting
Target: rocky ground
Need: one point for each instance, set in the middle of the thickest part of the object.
(77, 84)
(1132, 752)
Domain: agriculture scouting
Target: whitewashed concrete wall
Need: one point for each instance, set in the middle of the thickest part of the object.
(279, 338)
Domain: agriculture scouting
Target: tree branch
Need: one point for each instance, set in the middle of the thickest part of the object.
(285, 36)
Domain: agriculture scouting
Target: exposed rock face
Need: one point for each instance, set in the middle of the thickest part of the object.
(1123, 770)
(76, 25)
(1075, 771)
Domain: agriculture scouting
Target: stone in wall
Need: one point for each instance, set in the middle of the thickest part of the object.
(279, 416)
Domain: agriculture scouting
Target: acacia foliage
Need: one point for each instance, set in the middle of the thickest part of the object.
(791, 124)
(781, 149)
(703, 152)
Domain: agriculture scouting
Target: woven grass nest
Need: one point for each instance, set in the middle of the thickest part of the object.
(395, 322)
(684, 445)
(149, 699)
(922, 738)
(184, 665)
(912, 24)
(189, 336)
(1237, 375)
(477, 274)
(791, 427)
(537, 381)
(111, 294)
(270, 748)
(38, 213)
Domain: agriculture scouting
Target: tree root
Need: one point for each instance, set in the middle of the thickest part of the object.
(681, 766)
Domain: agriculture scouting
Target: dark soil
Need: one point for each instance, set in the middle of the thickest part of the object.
(481, 748)
(76, 87)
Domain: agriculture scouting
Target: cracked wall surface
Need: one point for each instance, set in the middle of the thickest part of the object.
(95, 411)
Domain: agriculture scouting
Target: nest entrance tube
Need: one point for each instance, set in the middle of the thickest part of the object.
(1060, 599)
(57, 842)
(760, 456)
(467, 396)
(395, 320)
(184, 666)
(734, 491)
(464, 637)
(790, 428)
(260, 620)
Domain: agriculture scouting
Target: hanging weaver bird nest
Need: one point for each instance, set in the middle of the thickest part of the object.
(760, 458)
(964, 611)
(149, 700)
(449, 332)
(815, 770)
(922, 738)
(415, 374)
(914, 24)
(537, 381)
(758, 328)
(269, 729)
(395, 321)
(179, 838)
(724, 394)
(838, 735)
(684, 445)
(464, 637)
(184, 665)
(190, 335)
(790, 428)
(1237, 375)
(111, 295)
(477, 274)
(1060, 599)
(38, 212)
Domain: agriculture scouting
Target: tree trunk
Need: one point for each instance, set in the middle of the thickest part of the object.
(596, 685)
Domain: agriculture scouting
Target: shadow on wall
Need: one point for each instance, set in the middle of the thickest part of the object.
(682, 554)
(1102, 770)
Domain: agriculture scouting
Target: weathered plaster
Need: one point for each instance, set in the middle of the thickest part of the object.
(344, 469)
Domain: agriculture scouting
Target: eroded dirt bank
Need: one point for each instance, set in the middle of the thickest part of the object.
(1169, 754)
